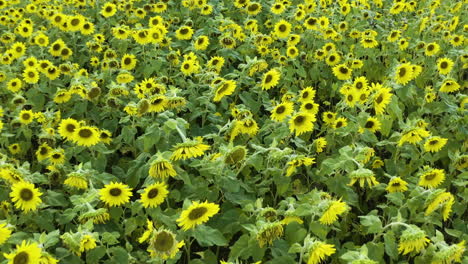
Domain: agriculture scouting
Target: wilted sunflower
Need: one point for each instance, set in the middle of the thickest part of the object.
(362, 176)
(26, 253)
(87, 242)
(301, 122)
(281, 111)
(319, 251)
(154, 195)
(25, 196)
(440, 199)
(413, 239)
(77, 180)
(334, 209)
(270, 79)
(115, 194)
(196, 214)
(161, 168)
(189, 149)
(86, 136)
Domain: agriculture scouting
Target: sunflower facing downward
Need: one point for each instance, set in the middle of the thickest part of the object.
(115, 194)
(189, 149)
(154, 195)
(25, 196)
(434, 144)
(26, 253)
(196, 214)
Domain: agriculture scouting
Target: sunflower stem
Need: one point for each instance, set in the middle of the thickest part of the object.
(181, 134)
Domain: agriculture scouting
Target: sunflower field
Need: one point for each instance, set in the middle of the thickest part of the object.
(233, 131)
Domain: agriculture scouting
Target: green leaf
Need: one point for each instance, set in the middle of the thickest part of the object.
(372, 223)
(95, 254)
(207, 236)
(391, 245)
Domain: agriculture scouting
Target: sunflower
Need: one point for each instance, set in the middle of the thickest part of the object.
(108, 9)
(351, 97)
(189, 66)
(26, 253)
(282, 29)
(25, 196)
(43, 151)
(14, 85)
(196, 214)
(253, 8)
(86, 136)
(449, 86)
(68, 127)
(202, 42)
(128, 62)
(396, 184)
(270, 79)
(163, 244)
(154, 195)
(142, 36)
(292, 52)
(444, 65)
(309, 107)
(76, 180)
(269, 232)
(340, 122)
(440, 199)
(281, 111)
(381, 99)
(26, 116)
(362, 176)
(301, 122)
(403, 73)
(432, 178)
(369, 42)
(333, 59)
(161, 168)
(319, 251)
(372, 124)
(115, 194)
(87, 242)
(334, 209)
(189, 149)
(57, 156)
(56, 47)
(5, 233)
(31, 75)
(227, 87)
(342, 72)
(434, 144)
(307, 94)
(432, 49)
(184, 33)
(41, 40)
(413, 239)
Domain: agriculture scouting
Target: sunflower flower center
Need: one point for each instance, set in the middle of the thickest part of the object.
(153, 193)
(268, 78)
(369, 124)
(299, 120)
(21, 258)
(85, 133)
(280, 109)
(26, 195)
(402, 72)
(430, 176)
(197, 213)
(115, 192)
(164, 241)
